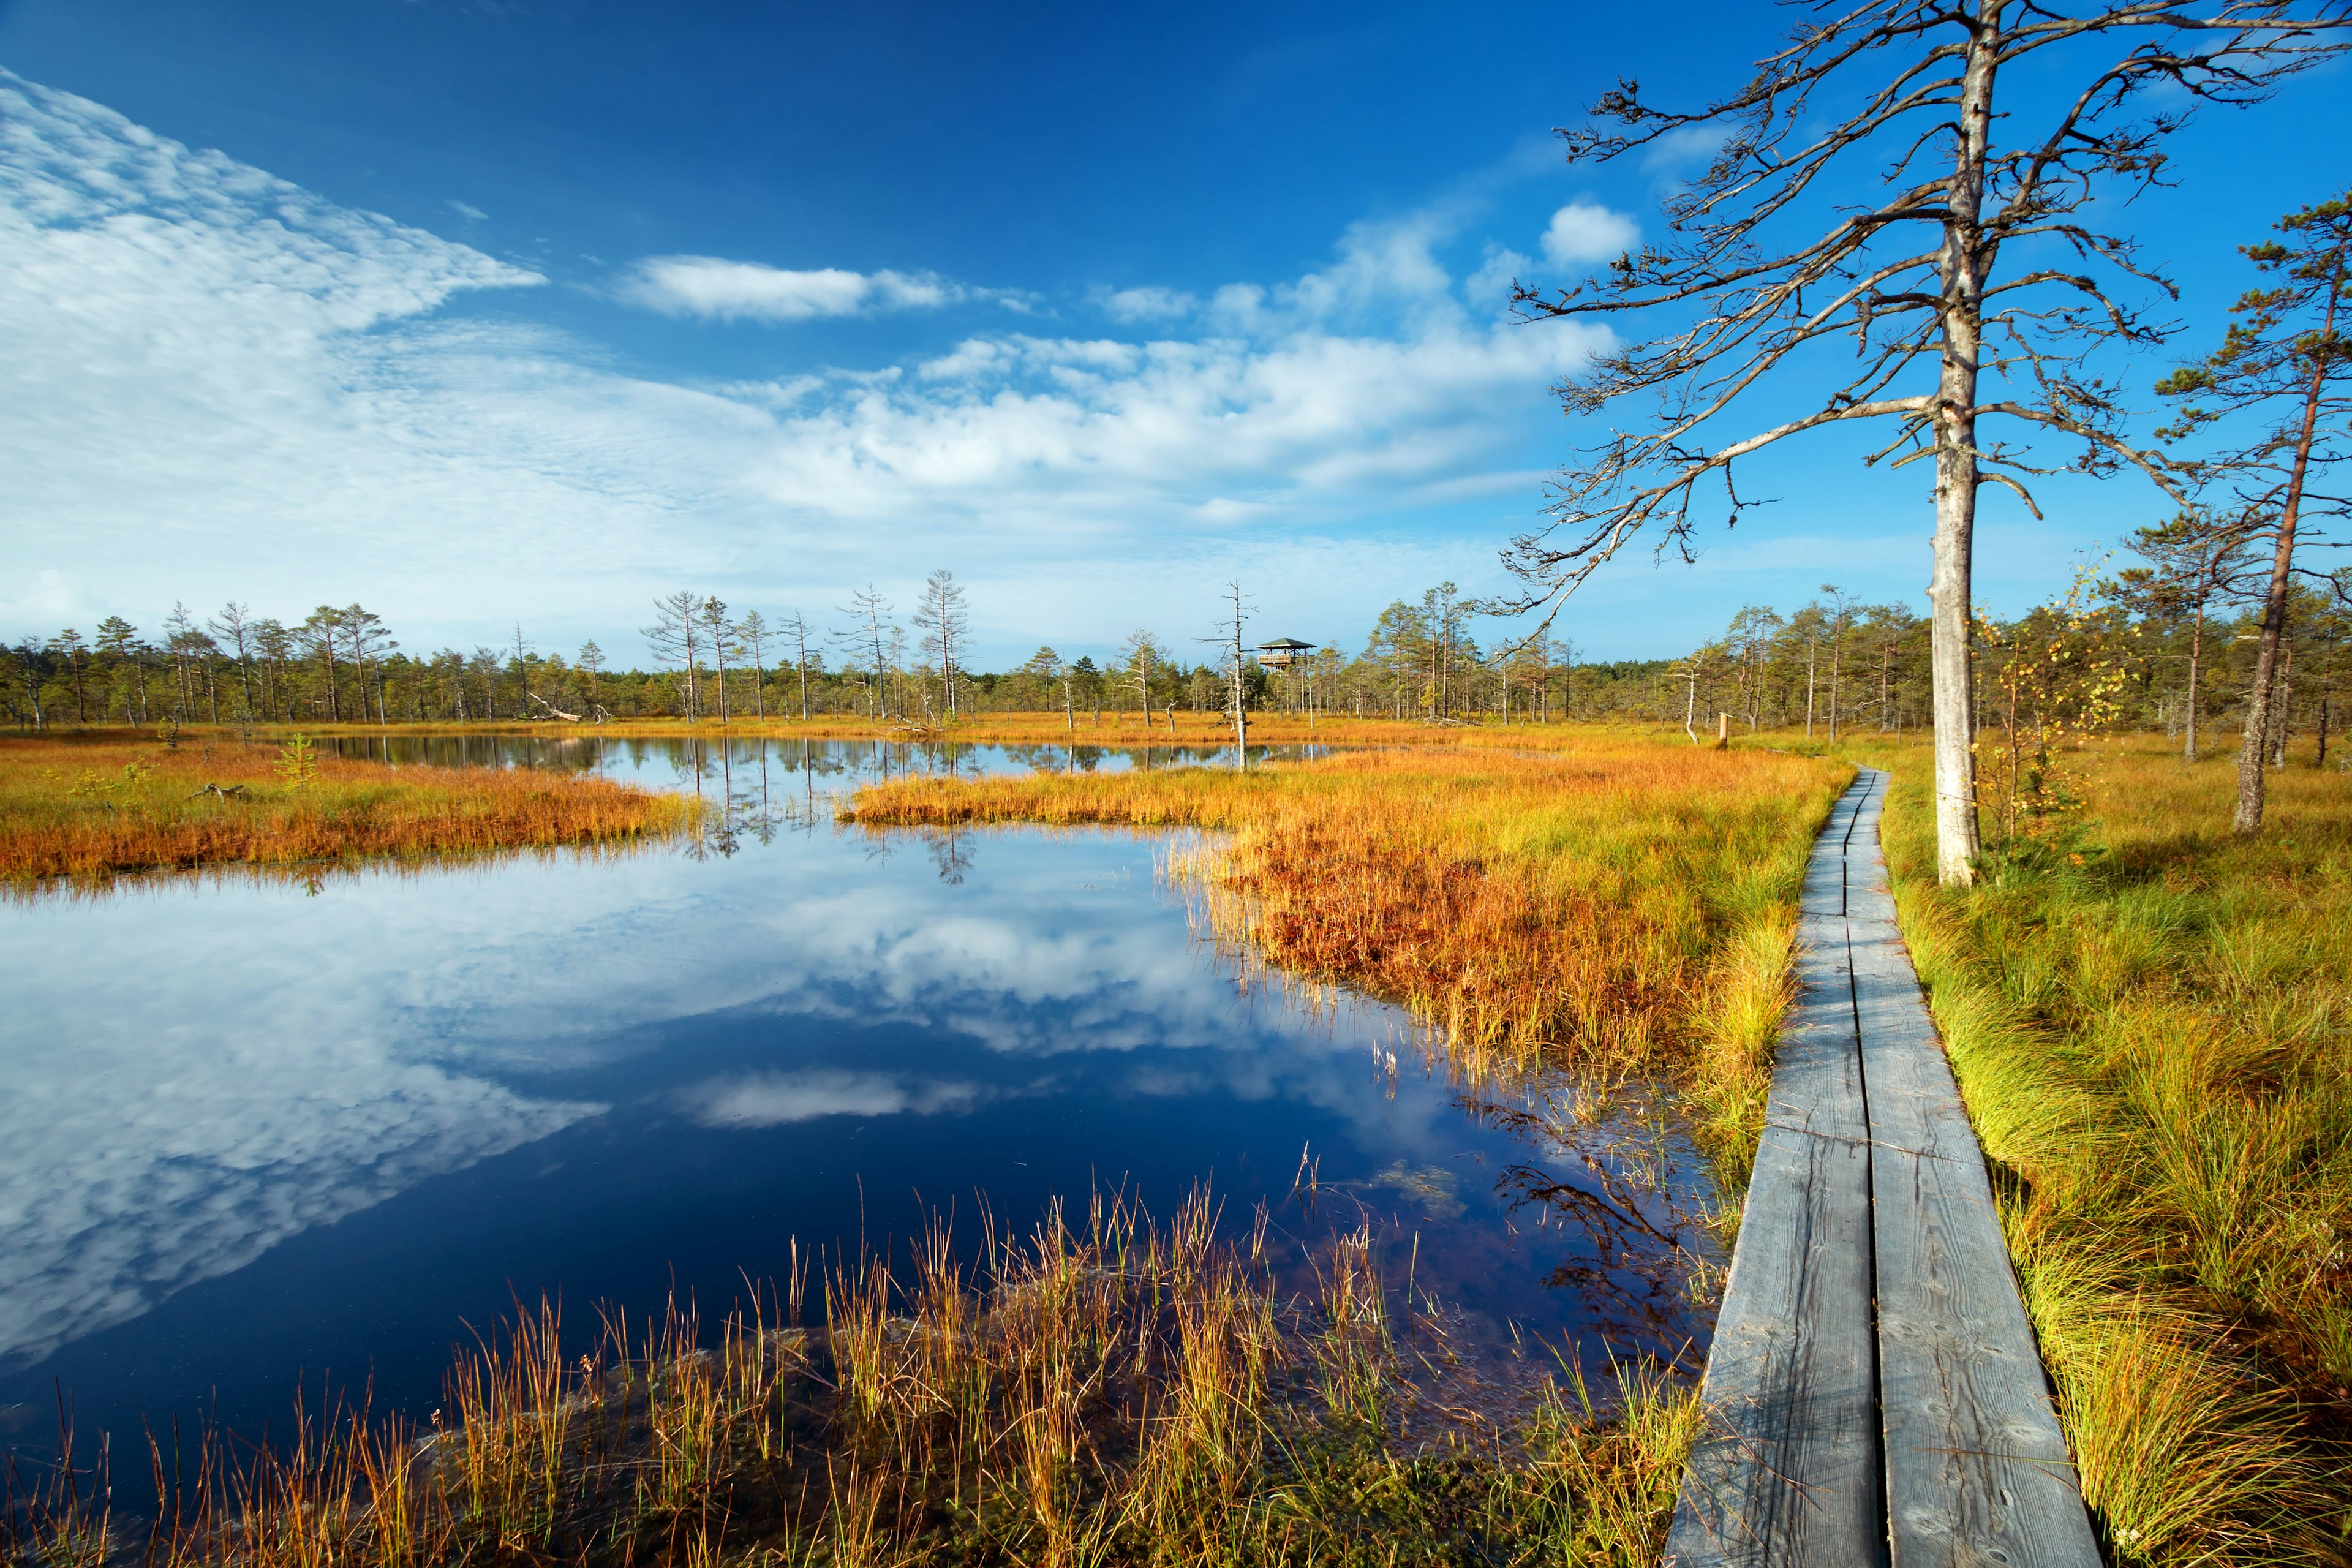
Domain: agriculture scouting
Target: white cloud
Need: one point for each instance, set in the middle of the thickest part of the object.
(776, 1098)
(707, 287)
(139, 1155)
(1491, 284)
(220, 385)
(1148, 304)
(1586, 231)
(467, 209)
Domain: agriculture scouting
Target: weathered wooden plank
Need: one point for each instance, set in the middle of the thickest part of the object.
(1915, 1106)
(1817, 1084)
(1825, 886)
(1788, 1469)
(1975, 1467)
(1823, 894)
(1977, 1470)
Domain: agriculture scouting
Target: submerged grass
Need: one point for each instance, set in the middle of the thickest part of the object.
(2151, 1022)
(1112, 1392)
(91, 806)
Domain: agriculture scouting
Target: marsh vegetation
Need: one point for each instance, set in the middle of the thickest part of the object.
(1554, 898)
(2148, 1014)
(1112, 1390)
(91, 805)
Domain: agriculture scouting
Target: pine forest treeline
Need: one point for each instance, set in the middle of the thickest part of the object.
(2170, 644)
(715, 663)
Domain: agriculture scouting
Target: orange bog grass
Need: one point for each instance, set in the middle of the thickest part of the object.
(1614, 903)
(90, 807)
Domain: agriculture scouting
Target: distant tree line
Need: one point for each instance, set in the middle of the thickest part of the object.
(2177, 635)
(2173, 644)
(340, 665)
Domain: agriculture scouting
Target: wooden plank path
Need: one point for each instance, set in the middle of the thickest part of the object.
(1875, 1394)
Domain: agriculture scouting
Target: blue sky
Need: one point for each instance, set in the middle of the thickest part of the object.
(532, 309)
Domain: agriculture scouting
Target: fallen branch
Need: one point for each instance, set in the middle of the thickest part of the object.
(553, 710)
(229, 794)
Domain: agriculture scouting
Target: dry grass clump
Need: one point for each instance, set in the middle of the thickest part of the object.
(1602, 904)
(1123, 1394)
(92, 807)
(2151, 1021)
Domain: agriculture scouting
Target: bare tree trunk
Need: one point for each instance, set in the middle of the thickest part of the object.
(2196, 657)
(1837, 658)
(1951, 587)
(2266, 661)
(1813, 653)
(2282, 707)
(1240, 710)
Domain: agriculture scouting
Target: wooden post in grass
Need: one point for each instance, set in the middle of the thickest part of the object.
(1723, 732)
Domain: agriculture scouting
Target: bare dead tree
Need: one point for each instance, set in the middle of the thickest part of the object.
(234, 626)
(677, 639)
(1883, 229)
(522, 673)
(797, 629)
(941, 615)
(750, 635)
(716, 631)
(867, 609)
(1140, 658)
(1230, 644)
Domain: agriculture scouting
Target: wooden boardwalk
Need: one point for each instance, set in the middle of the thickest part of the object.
(1874, 1395)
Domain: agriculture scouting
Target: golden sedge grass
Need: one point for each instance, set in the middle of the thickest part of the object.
(2151, 1022)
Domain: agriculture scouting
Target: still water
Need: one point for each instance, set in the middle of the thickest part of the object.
(259, 1134)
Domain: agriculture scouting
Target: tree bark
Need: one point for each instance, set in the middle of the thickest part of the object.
(2282, 707)
(1948, 590)
(1813, 653)
(1837, 660)
(2258, 712)
(2196, 653)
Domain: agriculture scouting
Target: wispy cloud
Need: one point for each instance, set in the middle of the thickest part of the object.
(707, 287)
(218, 381)
(1147, 304)
(778, 1099)
(467, 209)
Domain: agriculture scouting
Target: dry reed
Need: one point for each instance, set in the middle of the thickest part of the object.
(1116, 1393)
